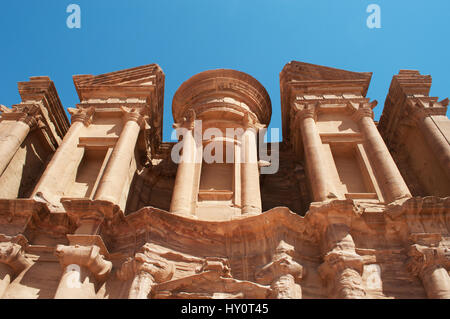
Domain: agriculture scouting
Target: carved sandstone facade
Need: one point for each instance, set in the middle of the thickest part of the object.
(99, 209)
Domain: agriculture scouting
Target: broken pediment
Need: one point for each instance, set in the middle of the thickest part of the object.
(41, 90)
(141, 88)
(315, 83)
(137, 82)
(299, 72)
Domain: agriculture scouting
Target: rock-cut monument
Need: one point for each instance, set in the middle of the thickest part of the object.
(97, 207)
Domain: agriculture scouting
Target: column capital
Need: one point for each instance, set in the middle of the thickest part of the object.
(364, 110)
(337, 261)
(148, 263)
(420, 108)
(85, 256)
(249, 121)
(13, 255)
(304, 110)
(27, 113)
(424, 258)
(342, 271)
(137, 115)
(282, 264)
(188, 121)
(83, 115)
(146, 268)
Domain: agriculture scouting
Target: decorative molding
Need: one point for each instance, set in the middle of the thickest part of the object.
(216, 268)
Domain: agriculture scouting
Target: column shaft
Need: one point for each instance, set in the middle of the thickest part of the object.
(251, 194)
(183, 198)
(387, 172)
(312, 145)
(57, 172)
(112, 183)
(436, 282)
(348, 284)
(12, 136)
(76, 283)
(437, 142)
(83, 268)
(141, 286)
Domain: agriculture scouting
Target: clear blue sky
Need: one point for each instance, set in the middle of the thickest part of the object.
(186, 37)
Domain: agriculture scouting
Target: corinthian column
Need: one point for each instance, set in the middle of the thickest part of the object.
(342, 267)
(392, 183)
(14, 128)
(83, 267)
(188, 171)
(282, 273)
(12, 263)
(313, 149)
(146, 269)
(59, 170)
(431, 265)
(251, 193)
(116, 173)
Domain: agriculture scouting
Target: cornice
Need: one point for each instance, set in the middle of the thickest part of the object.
(40, 89)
